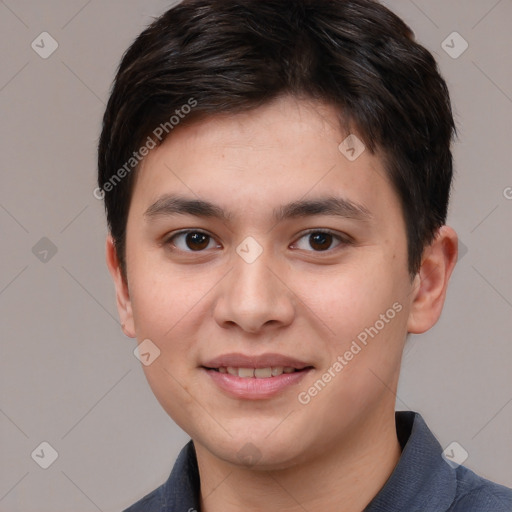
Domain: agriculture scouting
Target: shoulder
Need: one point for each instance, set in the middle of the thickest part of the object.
(477, 494)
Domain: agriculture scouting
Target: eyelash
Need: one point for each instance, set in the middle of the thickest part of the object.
(343, 240)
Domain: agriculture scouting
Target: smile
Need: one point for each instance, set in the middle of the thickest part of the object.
(258, 373)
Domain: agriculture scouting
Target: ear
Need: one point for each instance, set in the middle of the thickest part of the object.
(431, 281)
(124, 305)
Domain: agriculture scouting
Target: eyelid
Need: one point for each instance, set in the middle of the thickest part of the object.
(343, 238)
(167, 239)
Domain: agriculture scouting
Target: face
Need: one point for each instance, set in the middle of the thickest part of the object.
(281, 307)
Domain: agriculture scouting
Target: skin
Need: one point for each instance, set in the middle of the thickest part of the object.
(294, 299)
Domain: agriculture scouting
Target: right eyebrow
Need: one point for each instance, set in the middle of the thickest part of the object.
(171, 204)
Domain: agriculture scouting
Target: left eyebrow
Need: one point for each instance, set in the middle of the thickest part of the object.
(172, 204)
(336, 206)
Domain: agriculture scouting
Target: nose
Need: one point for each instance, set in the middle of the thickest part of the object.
(254, 296)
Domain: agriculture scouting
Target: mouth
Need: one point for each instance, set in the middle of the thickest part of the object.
(255, 377)
(258, 373)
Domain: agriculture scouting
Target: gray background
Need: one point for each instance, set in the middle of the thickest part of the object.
(68, 375)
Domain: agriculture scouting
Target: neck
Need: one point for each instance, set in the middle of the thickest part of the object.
(342, 478)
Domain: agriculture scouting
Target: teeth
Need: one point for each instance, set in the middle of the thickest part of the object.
(259, 373)
(277, 370)
(246, 372)
(262, 373)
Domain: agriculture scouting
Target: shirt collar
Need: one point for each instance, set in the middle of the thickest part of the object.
(421, 481)
(182, 489)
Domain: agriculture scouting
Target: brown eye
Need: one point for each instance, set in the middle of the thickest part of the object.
(321, 240)
(196, 241)
(190, 241)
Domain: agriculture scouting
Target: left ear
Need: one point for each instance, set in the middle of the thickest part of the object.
(431, 281)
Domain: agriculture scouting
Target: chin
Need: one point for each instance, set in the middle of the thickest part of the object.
(257, 450)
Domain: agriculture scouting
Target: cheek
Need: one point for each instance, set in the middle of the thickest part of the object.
(163, 300)
(364, 307)
(173, 390)
(166, 311)
(347, 299)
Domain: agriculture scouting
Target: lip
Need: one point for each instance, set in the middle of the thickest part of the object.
(253, 388)
(238, 360)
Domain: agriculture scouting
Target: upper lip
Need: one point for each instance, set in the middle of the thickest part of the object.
(237, 360)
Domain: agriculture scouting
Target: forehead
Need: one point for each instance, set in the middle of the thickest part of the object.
(279, 153)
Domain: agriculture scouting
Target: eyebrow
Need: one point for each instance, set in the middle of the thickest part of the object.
(172, 204)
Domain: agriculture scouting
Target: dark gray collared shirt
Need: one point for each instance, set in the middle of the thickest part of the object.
(422, 481)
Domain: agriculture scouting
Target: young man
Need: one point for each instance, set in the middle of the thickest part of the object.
(276, 178)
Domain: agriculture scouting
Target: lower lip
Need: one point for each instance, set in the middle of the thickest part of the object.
(251, 388)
